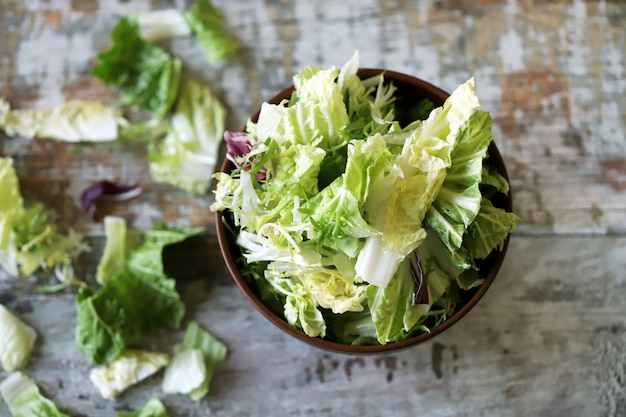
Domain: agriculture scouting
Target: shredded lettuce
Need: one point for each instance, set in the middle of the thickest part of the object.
(153, 408)
(193, 365)
(16, 341)
(356, 223)
(128, 369)
(29, 240)
(23, 398)
(136, 297)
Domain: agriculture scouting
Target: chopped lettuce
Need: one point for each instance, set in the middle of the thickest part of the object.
(72, 121)
(23, 398)
(207, 23)
(16, 341)
(29, 240)
(147, 75)
(156, 25)
(128, 369)
(186, 157)
(356, 223)
(193, 365)
(153, 408)
(136, 297)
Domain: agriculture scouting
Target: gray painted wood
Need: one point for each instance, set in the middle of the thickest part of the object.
(549, 337)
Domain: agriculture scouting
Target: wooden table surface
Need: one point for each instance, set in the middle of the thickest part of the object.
(549, 337)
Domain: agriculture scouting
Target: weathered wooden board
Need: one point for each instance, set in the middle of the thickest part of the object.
(549, 337)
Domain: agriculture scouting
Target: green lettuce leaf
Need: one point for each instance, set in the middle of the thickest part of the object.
(136, 297)
(153, 408)
(16, 341)
(207, 23)
(187, 156)
(147, 74)
(24, 399)
(489, 230)
(120, 242)
(459, 198)
(29, 240)
(194, 363)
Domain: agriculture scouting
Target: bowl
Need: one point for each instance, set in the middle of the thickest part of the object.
(411, 90)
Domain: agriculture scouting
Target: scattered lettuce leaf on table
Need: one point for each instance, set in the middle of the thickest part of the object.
(16, 341)
(207, 23)
(146, 74)
(153, 408)
(187, 156)
(128, 369)
(29, 240)
(136, 297)
(194, 362)
(23, 398)
(73, 121)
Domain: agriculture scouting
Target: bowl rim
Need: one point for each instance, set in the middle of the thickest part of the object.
(228, 247)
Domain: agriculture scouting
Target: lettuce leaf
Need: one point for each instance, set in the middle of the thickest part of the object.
(489, 230)
(207, 23)
(129, 368)
(16, 341)
(153, 408)
(147, 75)
(29, 240)
(73, 121)
(24, 399)
(187, 156)
(194, 363)
(136, 297)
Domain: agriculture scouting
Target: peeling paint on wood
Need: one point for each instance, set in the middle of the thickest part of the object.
(548, 337)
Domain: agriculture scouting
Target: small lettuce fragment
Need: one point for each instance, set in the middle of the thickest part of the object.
(207, 23)
(187, 156)
(16, 341)
(153, 408)
(23, 398)
(193, 365)
(130, 368)
(136, 297)
(106, 189)
(147, 75)
(157, 25)
(29, 240)
(73, 121)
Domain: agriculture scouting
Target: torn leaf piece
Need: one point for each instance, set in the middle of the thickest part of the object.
(24, 399)
(73, 121)
(153, 408)
(130, 368)
(16, 341)
(106, 189)
(194, 363)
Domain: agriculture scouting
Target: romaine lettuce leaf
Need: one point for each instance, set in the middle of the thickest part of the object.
(187, 156)
(147, 74)
(16, 341)
(207, 23)
(24, 399)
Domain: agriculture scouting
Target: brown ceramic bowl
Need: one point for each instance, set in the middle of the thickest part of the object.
(411, 90)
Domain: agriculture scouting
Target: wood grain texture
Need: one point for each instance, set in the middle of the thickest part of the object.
(549, 337)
